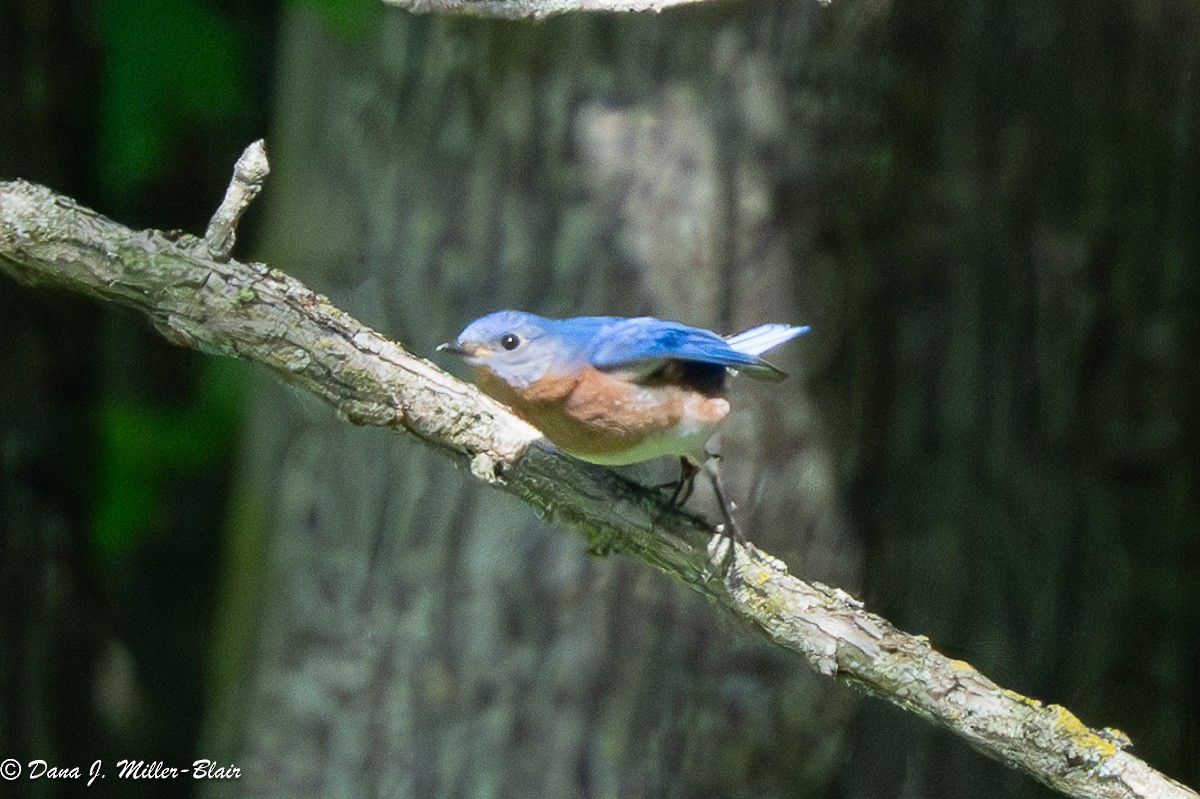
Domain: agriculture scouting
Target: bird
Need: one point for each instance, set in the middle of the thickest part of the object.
(615, 390)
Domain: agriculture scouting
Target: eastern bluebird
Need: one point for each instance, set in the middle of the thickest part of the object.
(612, 390)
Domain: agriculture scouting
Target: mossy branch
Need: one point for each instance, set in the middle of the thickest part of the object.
(533, 9)
(198, 297)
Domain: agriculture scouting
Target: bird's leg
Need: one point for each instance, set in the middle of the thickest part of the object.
(712, 467)
(681, 489)
(688, 470)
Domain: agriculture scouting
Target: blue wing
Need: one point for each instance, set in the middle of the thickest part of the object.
(643, 344)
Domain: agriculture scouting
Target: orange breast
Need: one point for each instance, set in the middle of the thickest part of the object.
(597, 414)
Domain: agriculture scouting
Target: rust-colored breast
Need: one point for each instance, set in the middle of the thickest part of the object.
(599, 414)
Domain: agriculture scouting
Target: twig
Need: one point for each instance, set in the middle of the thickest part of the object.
(261, 314)
(249, 173)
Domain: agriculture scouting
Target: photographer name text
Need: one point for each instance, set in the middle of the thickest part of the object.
(13, 769)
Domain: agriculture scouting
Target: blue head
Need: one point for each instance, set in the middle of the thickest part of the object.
(519, 348)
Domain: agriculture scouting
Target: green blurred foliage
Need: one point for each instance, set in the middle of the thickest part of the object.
(141, 444)
(347, 17)
(182, 87)
(115, 482)
(170, 66)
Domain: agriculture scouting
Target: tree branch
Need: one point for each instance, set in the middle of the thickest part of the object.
(261, 314)
(531, 9)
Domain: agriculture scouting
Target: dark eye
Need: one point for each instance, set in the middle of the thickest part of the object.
(510, 341)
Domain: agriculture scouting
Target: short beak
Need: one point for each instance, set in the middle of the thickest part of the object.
(466, 349)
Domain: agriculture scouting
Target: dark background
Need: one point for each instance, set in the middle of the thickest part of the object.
(987, 211)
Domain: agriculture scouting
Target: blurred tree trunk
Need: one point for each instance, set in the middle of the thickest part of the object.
(1030, 499)
(414, 636)
(989, 216)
